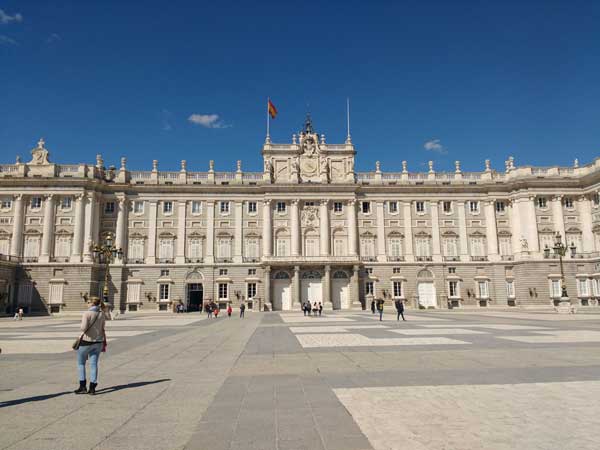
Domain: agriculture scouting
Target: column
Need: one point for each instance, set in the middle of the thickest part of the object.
(380, 232)
(267, 238)
(48, 235)
(557, 215)
(462, 231)
(210, 231)
(122, 226)
(324, 228)
(352, 228)
(296, 289)
(408, 235)
(267, 288)
(16, 245)
(238, 241)
(295, 228)
(151, 253)
(491, 230)
(515, 226)
(435, 231)
(90, 215)
(528, 211)
(585, 213)
(79, 228)
(355, 288)
(181, 235)
(327, 289)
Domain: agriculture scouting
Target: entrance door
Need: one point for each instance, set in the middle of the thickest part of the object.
(339, 294)
(195, 296)
(312, 290)
(282, 295)
(426, 291)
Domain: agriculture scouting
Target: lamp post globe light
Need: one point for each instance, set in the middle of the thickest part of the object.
(560, 249)
(105, 253)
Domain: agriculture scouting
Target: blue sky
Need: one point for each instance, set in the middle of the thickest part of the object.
(475, 80)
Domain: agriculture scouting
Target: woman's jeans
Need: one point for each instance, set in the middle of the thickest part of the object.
(93, 353)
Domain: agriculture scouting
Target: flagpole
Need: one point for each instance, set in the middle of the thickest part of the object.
(268, 121)
(348, 138)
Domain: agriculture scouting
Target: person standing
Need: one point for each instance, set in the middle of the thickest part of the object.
(380, 308)
(315, 309)
(373, 306)
(320, 309)
(91, 343)
(229, 310)
(242, 310)
(20, 313)
(399, 309)
(304, 308)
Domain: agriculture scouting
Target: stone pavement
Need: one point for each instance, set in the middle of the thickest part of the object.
(440, 380)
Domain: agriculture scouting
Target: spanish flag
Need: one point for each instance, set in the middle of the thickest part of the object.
(272, 109)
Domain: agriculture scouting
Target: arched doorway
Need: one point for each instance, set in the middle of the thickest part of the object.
(340, 290)
(426, 289)
(282, 291)
(311, 288)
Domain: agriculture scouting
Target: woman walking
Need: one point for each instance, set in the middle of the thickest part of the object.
(91, 344)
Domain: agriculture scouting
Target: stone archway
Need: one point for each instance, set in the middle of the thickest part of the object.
(426, 289)
(340, 290)
(281, 297)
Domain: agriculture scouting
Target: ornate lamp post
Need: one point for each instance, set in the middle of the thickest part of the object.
(560, 249)
(105, 254)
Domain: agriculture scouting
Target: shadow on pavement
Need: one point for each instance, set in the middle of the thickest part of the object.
(119, 387)
(37, 398)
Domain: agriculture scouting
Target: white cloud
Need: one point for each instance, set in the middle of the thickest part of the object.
(435, 145)
(54, 37)
(207, 120)
(7, 41)
(6, 19)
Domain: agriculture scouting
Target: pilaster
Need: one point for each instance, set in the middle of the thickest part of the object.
(181, 231)
(267, 289)
(267, 238)
(16, 244)
(48, 235)
(90, 214)
(122, 226)
(79, 228)
(151, 253)
(380, 231)
(557, 215)
(491, 230)
(210, 231)
(327, 304)
(238, 241)
(585, 214)
(435, 232)
(355, 288)
(408, 234)
(462, 231)
(296, 289)
(352, 228)
(295, 228)
(324, 228)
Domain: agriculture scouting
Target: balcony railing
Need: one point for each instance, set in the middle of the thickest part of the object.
(224, 260)
(451, 258)
(395, 258)
(479, 258)
(507, 257)
(194, 260)
(166, 260)
(424, 258)
(135, 260)
(368, 258)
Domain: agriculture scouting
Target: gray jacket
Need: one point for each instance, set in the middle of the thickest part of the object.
(96, 331)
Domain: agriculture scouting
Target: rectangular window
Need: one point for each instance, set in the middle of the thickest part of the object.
(138, 207)
(568, 202)
(222, 272)
(311, 247)
(282, 247)
(252, 248)
(109, 208)
(369, 271)
(556, 291)
(420, 207)
(4, 246)
(393, 207)
(281, 207)
(309, 203)
(483, 289)
(367, 247)
(505, 246)
(66, 202)
(195, 248)
(251, 271)
(541, 202)
(164, 272)
(395, 247)
(32, 247)
(224, 248)
(36, 202)
(450, 247)
(397, 289)
(500, 207)
(6, 203)
(167, 207)
(223, 294)
(165, 249)
(338, 207)
(583, 287)
(366, 207)
(369, 288)
(447, 207)
(63, 246)
(474, 207)
(136, 249)
(196, 207)
(163, 292)
(339, 249)
(251, 291)
(251, 207)
(451, 269)
(477, 247)
(423, 249)
(396, 270)
(453, 288)
(224, 207)
(510, 288)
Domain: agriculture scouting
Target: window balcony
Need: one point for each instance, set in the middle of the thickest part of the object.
(451, 258)
(424, 258)
(135, 261)
(194, 260)
(223, 260)
(166, 260)
(395, 258)
(368, 258)
(61, 259)
(479, 258)
(251, 259)
(31, 259)
(507, 257)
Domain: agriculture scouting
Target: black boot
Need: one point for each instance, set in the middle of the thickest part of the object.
(82, 389)
(92, 390)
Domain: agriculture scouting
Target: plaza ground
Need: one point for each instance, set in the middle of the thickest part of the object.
(441, 380)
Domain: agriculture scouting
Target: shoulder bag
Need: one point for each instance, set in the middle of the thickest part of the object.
(77, 342)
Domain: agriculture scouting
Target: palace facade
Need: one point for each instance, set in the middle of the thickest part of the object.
(308, 227)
